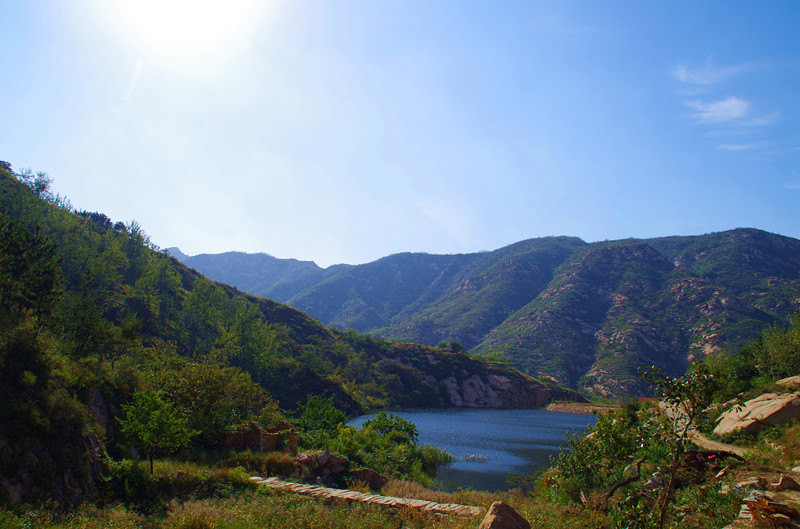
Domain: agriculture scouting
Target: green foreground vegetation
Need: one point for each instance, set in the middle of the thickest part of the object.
(123, 373)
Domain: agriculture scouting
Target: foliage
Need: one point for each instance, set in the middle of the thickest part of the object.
(624, 445)
(365, 447)
(318, 420)
(29, 273)
(264, 463)
(211, 398)
(394, 427)
(777, 354)
(600, 457)
(154, 425)
(130, 483)
(773, 355)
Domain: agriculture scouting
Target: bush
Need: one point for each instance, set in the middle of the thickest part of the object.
(394, 427)
(317, 421)
(130, 482)
(264, 463)
(366, 447)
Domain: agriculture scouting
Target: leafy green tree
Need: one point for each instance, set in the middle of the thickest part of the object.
(318, 419)
(212, 398)
(154, 425)
(685, 399)
(393, 427)
(778, 352)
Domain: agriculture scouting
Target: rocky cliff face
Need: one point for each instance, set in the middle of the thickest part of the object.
(464, 382)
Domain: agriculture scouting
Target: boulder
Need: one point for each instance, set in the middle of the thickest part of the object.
(761, 412)
(325, 466)
(790, 383)
(374, 480)
(502, 516)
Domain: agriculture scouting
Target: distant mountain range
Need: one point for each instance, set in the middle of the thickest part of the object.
(589, 315)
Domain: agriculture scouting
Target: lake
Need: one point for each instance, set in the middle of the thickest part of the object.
(488, 445)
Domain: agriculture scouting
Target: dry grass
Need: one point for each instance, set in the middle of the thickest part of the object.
(267, 509)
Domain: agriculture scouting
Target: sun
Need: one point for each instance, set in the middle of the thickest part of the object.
(186, 27)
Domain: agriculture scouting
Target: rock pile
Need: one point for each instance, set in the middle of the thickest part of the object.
(325, 467)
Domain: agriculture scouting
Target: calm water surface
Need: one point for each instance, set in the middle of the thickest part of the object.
(511, 441)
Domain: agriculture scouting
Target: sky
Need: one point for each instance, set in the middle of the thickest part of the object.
(343, 131)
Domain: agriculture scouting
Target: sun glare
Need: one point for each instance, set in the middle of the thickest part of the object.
(184, 27)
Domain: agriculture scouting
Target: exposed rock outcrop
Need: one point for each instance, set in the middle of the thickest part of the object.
(503, 516)
(464, 382)
(789, 383)
(67, 469)
(761, 412)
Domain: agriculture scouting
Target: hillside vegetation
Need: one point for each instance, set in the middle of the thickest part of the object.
(97, 324)
(588, 315)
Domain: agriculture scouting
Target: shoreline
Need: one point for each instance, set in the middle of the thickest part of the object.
(580, 407)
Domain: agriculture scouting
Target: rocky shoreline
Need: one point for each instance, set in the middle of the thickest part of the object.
(580, 407)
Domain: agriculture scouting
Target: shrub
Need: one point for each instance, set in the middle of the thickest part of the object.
(264, 463)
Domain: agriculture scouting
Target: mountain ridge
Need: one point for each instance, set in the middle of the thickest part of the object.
(589, 315)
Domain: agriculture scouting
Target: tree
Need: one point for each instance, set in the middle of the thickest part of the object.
(29, 273)
(393, 427)
(685, 398)
(212, 398)
(318, 418)
(153, 424)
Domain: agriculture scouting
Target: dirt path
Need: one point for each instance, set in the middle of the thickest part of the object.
(376, 499)
(704, 442)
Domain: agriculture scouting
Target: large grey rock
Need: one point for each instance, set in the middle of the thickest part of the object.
(761, 412)
(502, 516)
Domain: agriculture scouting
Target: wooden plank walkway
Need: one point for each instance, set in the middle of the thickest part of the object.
(376, 499)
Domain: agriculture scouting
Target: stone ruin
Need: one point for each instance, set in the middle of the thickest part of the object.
(251, 436)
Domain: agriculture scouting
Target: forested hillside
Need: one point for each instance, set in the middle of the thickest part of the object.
(92, 313)
(588, 315)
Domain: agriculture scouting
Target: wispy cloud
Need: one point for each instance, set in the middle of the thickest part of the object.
(793, 185)
(708, 74)
(739, 146)
(724, 110)
(762, 121)
(725, 114)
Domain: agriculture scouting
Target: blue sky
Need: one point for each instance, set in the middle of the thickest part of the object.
(344, 131)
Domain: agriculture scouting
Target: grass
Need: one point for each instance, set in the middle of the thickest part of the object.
(247, 507)
(266, 509)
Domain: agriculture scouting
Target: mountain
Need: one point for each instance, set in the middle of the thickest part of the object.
(258, 274)
(589, 315)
